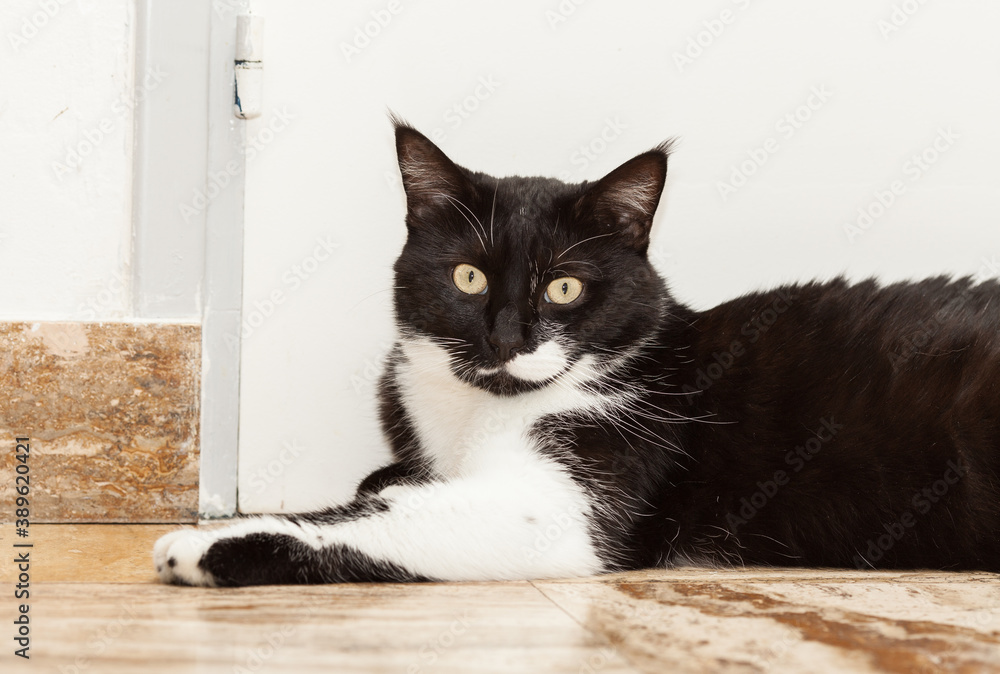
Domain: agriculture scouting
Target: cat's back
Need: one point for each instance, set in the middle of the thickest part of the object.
(862, 396)
(822, 336)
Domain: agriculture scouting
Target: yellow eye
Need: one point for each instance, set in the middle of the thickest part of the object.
(469, 280)
(563, 290)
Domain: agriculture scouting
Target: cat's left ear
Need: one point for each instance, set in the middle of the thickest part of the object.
(626, 199)
(432, 182)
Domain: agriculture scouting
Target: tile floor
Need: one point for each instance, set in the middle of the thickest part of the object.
(95, 607)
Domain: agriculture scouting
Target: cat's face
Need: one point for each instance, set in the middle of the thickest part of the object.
(526, 281)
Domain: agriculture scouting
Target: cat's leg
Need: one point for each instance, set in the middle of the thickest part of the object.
(268, 550)
(394, 473)
(477, 528)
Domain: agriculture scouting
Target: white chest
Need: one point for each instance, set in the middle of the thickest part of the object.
(463, 429)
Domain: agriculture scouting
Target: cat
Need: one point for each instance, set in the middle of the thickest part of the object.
(554, 412)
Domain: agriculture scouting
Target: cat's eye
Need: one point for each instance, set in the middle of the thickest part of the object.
(563, 290)
(469, 280)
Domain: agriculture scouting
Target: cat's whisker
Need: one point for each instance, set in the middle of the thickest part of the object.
(580, 243)
(641, 304)
(584, 263)
(771, 538)
(493, 209)
(368, 297)
(456, 203)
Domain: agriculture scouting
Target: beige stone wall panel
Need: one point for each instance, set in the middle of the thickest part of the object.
(111, 410)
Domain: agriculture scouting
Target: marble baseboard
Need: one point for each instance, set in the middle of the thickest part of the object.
(111, 411)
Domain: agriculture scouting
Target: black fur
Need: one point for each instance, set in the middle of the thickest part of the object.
(401, 472)
(890, 393)
(523, 224)
(276, 559)
(827, 441)
(823, 424)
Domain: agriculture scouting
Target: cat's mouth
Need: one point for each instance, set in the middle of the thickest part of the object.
(543, 364)
(526, 371)
(501, 382)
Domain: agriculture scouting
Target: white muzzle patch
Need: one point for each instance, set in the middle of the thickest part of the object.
(545, 362)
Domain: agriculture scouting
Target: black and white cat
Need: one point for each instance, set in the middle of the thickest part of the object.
(554, 412)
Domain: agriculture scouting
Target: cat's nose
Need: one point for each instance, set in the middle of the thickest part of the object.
(508, 333)
(506, 349)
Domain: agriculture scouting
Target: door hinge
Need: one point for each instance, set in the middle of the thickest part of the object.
(249, 69)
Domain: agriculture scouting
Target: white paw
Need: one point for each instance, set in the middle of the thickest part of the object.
(176, 556)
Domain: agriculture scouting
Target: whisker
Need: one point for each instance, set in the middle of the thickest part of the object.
(493, 209)
(377, 292)
(456, 203)
(578, 243)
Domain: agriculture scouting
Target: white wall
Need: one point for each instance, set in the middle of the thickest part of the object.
(557, 72)
(321, 166)
(66, 84)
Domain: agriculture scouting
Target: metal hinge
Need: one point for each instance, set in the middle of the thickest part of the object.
(249, 66)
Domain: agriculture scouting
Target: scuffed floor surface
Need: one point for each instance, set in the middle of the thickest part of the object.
(95, 607)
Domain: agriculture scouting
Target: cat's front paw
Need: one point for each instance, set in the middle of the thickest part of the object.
(177, 557)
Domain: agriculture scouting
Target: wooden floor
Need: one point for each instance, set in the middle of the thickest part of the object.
(95, 607)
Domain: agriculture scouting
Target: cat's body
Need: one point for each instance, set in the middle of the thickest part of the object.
(611, 428)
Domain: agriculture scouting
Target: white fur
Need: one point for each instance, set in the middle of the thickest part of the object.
(186, 548)
(458, 423)
(545, 362)
(500, 509)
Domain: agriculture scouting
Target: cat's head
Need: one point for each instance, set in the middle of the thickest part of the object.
(525, 281)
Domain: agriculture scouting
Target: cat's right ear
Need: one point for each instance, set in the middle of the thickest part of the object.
(432, 182)
(626, 199)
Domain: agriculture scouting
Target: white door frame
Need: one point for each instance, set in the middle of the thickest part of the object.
(188, 208)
